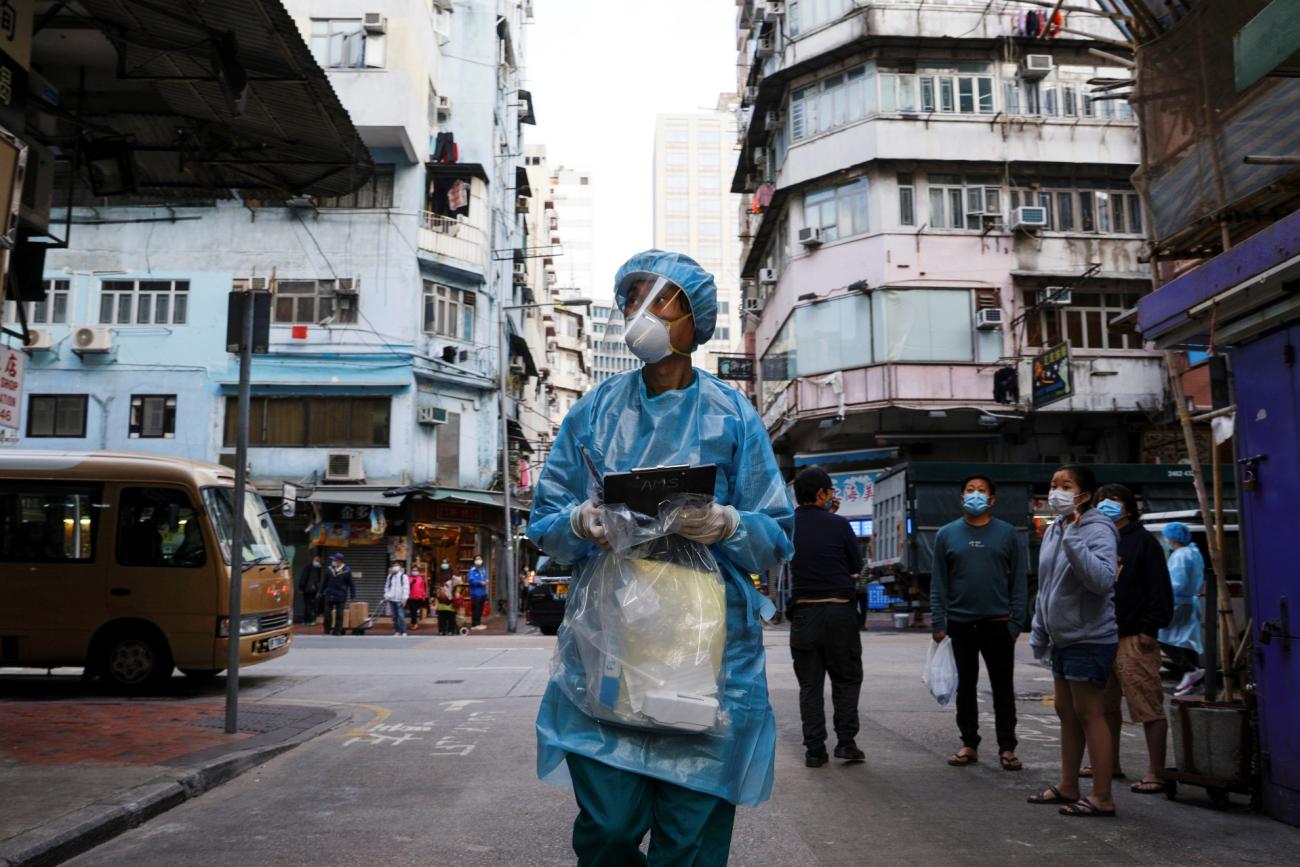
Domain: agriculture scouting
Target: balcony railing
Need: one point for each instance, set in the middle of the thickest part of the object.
(452, 238)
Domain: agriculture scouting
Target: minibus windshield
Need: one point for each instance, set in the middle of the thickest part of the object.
(261, 543)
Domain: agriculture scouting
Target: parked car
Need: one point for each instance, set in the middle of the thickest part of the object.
(546, 597)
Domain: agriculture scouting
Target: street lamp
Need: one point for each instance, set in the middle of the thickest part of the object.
(512, 580)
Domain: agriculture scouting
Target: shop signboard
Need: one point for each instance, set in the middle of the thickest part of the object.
(1052, 378)
(465, 514)
(739, 368)
(855, 492)
(11, 394)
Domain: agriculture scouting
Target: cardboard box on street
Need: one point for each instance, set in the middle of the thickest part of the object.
(357, 614)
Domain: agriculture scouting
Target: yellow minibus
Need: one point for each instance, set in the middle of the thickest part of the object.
(120, 563)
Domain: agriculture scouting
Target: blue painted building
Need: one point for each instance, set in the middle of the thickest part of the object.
(383, 358)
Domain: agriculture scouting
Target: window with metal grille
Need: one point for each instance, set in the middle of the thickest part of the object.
(144, 302)
(56, 415)
(315, 302)
(153, 416)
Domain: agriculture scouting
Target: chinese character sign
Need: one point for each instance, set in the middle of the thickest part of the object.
(11, 393)
(1052, 379)
(855, 492)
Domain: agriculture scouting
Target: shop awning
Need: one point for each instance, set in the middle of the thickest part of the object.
(206, 101)
(352, 497)
(451, 495)
(857, 456)
(316, 389)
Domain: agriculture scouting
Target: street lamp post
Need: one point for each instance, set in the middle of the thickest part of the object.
(512, 582)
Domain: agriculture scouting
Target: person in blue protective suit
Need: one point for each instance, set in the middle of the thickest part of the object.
(478, 591)
(1181, 639)
(682, 788)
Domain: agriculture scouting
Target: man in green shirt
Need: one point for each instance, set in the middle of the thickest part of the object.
(978, 597)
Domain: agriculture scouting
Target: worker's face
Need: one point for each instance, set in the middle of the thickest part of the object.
(670, 305)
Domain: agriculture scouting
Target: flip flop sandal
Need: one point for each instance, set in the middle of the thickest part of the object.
(1052, 796)
(961, 760)
(1010, 763)
(1085, 809)
(1148, 787)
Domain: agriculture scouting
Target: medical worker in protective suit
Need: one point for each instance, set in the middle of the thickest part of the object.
(681, 787)
(1181, 639)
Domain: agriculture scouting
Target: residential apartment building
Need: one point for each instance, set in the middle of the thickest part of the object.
(382, 366)
(935, 197)
(558, 337)
(609, 352)
(693, 164)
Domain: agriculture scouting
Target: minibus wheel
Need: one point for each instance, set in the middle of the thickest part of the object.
(134, 661)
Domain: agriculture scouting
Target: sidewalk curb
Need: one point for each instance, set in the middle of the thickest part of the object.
(78, 832)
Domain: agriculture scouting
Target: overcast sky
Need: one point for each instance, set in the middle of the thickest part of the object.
(599, 71)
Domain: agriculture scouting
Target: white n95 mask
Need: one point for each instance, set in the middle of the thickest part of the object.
(646, 334)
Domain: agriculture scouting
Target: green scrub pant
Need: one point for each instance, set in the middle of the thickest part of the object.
(617, 807)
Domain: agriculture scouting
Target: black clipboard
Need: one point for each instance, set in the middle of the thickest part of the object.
(642, 490)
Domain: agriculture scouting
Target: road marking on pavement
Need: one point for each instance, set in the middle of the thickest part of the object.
(460, 740)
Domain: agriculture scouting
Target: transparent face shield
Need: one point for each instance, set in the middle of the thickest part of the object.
(647, 333)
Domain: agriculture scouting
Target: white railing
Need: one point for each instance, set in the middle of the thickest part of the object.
(453, 238)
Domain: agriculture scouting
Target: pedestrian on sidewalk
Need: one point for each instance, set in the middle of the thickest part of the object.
(1181, 639)
(478, 591)
(337, 588)
(824, 635)
(1074, 627)
(396, 591)
(417, 600)
(979, 598)
(309, 584)
(681, 788)
(445, 608)
(1144, 603)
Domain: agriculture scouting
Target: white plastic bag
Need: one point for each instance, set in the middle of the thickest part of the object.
(941, 671)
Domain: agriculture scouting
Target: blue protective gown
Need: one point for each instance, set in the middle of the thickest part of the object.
(1186, 574)
(623, 427)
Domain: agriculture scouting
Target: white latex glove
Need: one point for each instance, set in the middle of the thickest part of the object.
(586, 524)
(708, 524)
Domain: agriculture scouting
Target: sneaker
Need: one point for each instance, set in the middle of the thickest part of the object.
(480, 626)
(1189, 681)
(850, 753)
(815, 760)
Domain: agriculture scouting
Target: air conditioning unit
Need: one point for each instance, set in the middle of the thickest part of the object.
(990, 221)
(521, 269)
(1035, 66)
(1054, 296)
(443, 107)
(766, 46)
(751, 93)
(1028, 217)
(810, 236)
(770, 121)
(767, 276)
(442, 5)
(431, 415)
(989, 318)
(775, 9)
(521, 204)
(374, 22)
(760, 158)
(92, 338)
(39, 340)
(753, 305)
(347, 286)
(518, 367)
(344, 467)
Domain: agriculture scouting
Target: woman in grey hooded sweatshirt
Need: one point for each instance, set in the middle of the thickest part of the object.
(1074, 626)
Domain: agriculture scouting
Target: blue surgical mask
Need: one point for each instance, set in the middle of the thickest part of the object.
(975, 503)
(1112, 509)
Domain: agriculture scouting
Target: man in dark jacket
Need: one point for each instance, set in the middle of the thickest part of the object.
(309, 583)
(337, 588)
(1144, 604)
(824, 635)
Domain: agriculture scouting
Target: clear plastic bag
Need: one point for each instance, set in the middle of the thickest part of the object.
(645, 627)
(941, 671)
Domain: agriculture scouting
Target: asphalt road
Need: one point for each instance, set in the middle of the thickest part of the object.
(437, 768)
